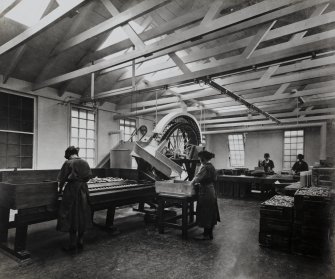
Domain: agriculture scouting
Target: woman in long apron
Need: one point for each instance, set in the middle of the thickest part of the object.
(74, 213)
(207, 207)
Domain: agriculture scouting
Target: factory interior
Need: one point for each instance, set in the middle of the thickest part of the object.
(199, 139)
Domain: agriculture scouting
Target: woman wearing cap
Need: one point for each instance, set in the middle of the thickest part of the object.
(74, 213)
(207, 207)
(300, 165)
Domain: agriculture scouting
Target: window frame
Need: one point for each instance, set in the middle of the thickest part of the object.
(34, 129)
(295, 156)
(238, 150)
(95, 148)
(129, 126)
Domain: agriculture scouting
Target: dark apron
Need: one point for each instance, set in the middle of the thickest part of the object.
(207, 206)
(75, 212)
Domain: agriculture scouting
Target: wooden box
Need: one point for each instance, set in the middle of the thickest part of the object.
(175, 187)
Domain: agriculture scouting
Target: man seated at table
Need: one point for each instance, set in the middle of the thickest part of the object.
(300, 165)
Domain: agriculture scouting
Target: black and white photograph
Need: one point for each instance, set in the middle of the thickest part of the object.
(167, 139)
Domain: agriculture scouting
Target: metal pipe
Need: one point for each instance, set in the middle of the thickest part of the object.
(239, 99)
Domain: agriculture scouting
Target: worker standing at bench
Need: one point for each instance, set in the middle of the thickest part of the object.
(207, 207)
(75, 212)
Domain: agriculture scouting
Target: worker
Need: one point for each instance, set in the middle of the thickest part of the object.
(268, 164)
(207, 207)
(300, 165)
(74, 212)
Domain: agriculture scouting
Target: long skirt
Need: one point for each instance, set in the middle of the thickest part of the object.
(75, 213)
(207, 207)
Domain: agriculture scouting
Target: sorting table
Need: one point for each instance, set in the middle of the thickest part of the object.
(187, 215)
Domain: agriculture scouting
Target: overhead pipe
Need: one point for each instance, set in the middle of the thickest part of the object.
(239, 99)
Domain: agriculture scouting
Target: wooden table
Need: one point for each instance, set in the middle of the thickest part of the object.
(187, 215)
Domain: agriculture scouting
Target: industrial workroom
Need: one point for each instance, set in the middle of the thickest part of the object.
(167, 139)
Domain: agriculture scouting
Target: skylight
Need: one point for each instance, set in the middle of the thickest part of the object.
(28, 12)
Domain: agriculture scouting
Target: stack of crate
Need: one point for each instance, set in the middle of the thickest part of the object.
(312, 220)
(276, 223)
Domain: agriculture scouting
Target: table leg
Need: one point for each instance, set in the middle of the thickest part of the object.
(184, 219)
(20, 238)
(160, 215)
(110, 216)
(4, 222)
(191, 211)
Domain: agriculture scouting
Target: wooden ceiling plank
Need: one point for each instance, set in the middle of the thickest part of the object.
(116, 21)
(185, 36)
(16, 59)
(9, 8)
(225, 48)
(284, 121)
(181, 65)
(257, 39)
(14, 62)
(48, 67)
(317, 12)
(138, 43)
(269, 72)
(160, 30)
(307, 45)
(213, 11)
(282, 88)
(43, 24)
(308, 111)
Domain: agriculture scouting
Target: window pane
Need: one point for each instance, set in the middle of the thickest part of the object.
(90, 143)
(74, 113)
(82, 143)
(74, 141)
(82, 152)
(82, 123)
(90, 125)
(82, 133)
(90, 134)
(75, 122)
(300, 133)
(74, 132)
(90, 153)
(82, 114)
(90, 115)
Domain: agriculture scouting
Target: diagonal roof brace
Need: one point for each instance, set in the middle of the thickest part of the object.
(239, 99)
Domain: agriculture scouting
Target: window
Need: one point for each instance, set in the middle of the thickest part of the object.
(293, 145)
(16, 131)
(236, 150)
(83, 133)
(128, 126)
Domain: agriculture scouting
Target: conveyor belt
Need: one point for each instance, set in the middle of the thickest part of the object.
(103, 187)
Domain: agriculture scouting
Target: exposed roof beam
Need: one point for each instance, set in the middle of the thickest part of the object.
(177, 39)
(308, 111)
(43, 24)
(318, 11)
(257, 39)
(160, 30)
(213, 11)
(198, 55)
(279, 53)
(138, 43)
(14, 62)
(266, 122)
(116, 21)
(266, 128)
(9, 8)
